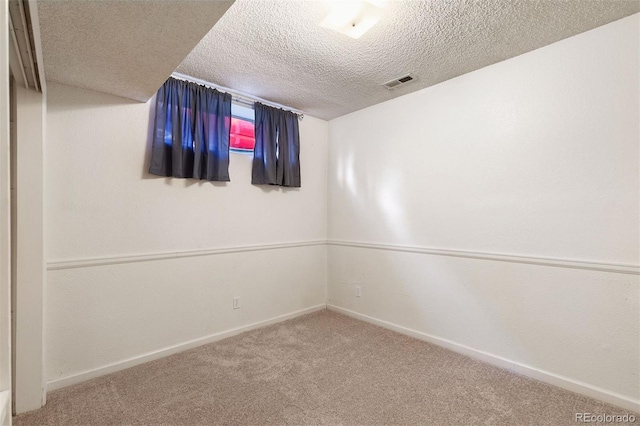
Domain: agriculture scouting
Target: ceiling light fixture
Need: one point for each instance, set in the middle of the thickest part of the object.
(353, 17)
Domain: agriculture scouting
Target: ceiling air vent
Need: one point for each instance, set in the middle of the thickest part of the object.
(397, 82)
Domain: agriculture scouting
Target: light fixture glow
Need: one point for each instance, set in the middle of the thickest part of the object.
(353, 17)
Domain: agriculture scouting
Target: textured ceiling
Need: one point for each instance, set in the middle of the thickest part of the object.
(126, 48)
(276, 50)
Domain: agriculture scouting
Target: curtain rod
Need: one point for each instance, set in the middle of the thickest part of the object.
(237, 95)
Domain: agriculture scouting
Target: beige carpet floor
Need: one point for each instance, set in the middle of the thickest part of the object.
(319, 369)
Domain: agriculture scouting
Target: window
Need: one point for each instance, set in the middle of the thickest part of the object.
(242, 128)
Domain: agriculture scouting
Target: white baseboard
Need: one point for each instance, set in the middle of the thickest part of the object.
(526, 370)
(5, 408)
(161, 353)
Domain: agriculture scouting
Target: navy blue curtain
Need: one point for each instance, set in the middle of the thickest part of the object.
(276, 156)
(191, 132)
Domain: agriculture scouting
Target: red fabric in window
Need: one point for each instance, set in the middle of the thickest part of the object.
(242, 134)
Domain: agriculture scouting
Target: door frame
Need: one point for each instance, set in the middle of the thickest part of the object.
(5, 223)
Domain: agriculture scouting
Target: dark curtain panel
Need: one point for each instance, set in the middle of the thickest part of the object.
(276, 156)
(191, 132)
(264, 170)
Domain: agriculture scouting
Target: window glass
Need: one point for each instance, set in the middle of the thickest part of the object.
(242, 128)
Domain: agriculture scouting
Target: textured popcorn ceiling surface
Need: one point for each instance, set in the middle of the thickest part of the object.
(126, 48)
(276, 50)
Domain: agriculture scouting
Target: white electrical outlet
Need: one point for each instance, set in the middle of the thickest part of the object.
(236, 302)
(358, 291)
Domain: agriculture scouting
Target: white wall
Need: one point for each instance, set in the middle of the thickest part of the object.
(28, 257)
(537, 157)
(151, 292)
